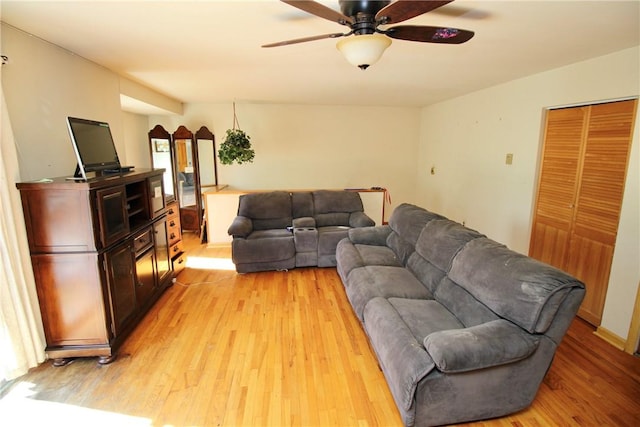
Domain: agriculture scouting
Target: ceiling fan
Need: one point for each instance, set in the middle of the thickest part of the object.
(368, 20)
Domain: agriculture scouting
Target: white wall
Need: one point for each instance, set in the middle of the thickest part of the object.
(136, 140)
(467, 138)
(307, 146)
(43, 84)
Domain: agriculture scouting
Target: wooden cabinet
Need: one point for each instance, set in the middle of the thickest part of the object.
(100, 256)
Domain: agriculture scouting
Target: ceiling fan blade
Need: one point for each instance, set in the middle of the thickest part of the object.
(305, 39)
(423, 33)
(401, 10)
(320, 10)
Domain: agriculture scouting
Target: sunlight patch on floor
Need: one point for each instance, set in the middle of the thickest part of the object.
(20, 407)
(206, 263)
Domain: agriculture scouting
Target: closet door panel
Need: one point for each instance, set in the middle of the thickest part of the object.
(590, 261)
(557, 185)
(581, 185)
(606, 154)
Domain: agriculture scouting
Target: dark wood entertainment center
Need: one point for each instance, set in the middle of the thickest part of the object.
(101, 258)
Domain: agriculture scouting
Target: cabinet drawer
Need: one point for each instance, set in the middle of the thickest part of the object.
(179, 263)
(176, 249)
(173, 211)
(142, 241)
(173, 233)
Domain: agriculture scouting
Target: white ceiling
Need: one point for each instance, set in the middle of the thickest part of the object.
(209, 51)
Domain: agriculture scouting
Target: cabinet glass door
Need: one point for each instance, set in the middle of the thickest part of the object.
(163, 261)
(112, 214)
(122, 290)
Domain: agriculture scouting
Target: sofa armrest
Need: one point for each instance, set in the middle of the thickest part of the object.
(304, 221)
(490, 344)
(240, 227)
(370, 235)
(360, 219)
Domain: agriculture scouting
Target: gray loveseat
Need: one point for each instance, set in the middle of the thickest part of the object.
(280, 230)
(464, 328)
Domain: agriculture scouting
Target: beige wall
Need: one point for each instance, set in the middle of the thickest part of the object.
(43, 84)
(466, 140)
(307, 146)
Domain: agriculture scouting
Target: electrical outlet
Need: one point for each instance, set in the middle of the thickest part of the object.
(509, 159)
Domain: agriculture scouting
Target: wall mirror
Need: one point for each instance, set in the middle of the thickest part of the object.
(187, 179)
(207, 163)
(162, 157)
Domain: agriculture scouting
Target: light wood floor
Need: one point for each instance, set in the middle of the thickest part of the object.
(283, 349)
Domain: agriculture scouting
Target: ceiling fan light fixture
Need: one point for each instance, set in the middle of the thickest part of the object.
(363, 50)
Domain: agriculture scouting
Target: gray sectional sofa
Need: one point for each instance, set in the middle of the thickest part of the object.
(463, 328)
(280, 230)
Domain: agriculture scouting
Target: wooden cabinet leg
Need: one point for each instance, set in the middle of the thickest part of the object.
(62, 361)
(105, 360)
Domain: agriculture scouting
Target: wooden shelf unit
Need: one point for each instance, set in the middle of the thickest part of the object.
(100, 256)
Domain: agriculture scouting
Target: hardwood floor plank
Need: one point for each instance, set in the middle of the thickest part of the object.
(285, 349)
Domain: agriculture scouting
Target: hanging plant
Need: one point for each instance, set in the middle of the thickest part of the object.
(236, 146)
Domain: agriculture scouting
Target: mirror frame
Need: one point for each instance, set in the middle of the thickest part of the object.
(187, 221)
(158, 132)
(205, 134)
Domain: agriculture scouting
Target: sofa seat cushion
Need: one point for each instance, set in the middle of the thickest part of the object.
(366, 283)
(329, 236)
(490, 344)
(424, 317)
(378, 255)
(270, 234)
(353, 256)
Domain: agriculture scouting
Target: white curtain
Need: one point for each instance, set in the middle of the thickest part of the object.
(22, 340)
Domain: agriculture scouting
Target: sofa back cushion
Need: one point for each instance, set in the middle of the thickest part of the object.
(336, 201)
(441, 240)
(334, 207)
(514, 286)
(266, 210)
(462, 304)
(302, 204)
(406, 222)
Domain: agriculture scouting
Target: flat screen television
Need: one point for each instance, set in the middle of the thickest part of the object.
(94, 147)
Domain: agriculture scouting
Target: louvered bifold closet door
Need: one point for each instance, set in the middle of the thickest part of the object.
(586, 251)
(557, 185)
